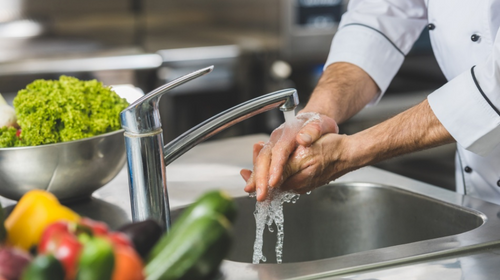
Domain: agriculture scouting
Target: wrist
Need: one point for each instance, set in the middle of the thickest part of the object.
(359, 150)
(323, 102)
(342, 91)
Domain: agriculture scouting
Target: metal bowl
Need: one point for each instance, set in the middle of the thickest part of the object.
(70, 170)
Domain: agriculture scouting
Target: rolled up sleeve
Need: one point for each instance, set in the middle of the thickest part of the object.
(376, 36)
(469, 105)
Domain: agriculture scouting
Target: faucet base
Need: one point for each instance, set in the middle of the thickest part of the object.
(148, 197)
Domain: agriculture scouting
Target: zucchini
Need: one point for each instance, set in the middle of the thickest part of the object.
(193, 253)
(197, 242)
(211, 203)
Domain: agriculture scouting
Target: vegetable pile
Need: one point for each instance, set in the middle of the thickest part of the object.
(42, 239)
(52, 111)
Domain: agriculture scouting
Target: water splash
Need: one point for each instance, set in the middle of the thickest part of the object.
(269, 212)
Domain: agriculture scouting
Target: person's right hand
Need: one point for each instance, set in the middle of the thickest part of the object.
(270, 158)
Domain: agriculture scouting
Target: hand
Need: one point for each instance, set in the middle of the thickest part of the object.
(270, 158)
(310, 167)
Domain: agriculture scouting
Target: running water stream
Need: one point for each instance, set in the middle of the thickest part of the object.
(266, 213)
(270, 211)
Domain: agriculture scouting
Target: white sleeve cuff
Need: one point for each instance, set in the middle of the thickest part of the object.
(368, 49)
(466, 114)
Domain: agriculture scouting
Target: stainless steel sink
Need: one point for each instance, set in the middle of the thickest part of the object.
(350, 227)
(349, 218)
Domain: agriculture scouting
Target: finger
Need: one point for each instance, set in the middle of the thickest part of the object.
(261, 172)
(245, 174)
(261, 164)
(280, 154)
(313, 130)
(256, 150)
(275, 142)
(289, 169)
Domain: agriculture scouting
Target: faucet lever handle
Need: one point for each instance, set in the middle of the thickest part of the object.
(143, 116)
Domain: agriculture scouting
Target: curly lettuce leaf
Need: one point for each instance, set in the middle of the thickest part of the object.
(52, 111)
(8, 137)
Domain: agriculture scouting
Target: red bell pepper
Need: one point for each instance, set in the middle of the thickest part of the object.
(57, 239)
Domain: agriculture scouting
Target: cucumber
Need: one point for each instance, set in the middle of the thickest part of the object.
(44, 267)
(197, 242)
(194, 252)
(211, 203)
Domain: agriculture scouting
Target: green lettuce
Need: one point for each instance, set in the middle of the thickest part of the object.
(8, 137)
(52, 111)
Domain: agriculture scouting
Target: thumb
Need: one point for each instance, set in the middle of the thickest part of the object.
(312, 131)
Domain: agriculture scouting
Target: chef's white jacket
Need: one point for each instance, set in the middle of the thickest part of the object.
(377, 34)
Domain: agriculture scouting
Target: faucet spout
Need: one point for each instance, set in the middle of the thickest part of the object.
(147, 158)
(286, 100)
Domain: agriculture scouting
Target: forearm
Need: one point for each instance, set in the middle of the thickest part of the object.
(342, 91)
(412, 130)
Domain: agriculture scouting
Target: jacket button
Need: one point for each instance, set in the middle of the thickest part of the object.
(498, 183)
(475, 37)
(431, 26)
(468, 169)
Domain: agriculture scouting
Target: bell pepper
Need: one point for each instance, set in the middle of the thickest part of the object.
(60, 241)
(97, 259)
(35, 211)
(128, 264)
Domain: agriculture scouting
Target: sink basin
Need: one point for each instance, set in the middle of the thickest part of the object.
(348, 218)
(350, 227)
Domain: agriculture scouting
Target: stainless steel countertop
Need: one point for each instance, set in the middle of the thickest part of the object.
(216, 164)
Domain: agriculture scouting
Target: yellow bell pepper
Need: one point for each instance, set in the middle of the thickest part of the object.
(32, 214)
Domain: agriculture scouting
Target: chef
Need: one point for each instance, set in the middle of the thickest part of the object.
(371, 43)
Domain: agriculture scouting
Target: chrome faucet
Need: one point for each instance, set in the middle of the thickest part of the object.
(147, 158)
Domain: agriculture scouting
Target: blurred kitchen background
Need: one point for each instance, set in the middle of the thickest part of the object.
(257, 46)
